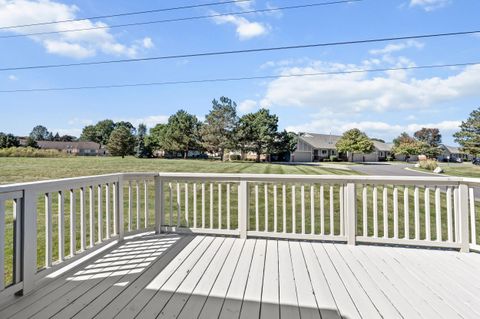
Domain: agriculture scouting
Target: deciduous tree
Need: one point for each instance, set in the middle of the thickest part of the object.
(40, 133)
(121, 142)
(354, 141)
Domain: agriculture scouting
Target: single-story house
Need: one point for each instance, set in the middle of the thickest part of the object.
(74, 148)
(317, 147)
(452, 152)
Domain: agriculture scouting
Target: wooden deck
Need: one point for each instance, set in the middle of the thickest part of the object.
(173, 276)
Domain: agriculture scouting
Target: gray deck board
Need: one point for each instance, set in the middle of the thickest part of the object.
(190, 277)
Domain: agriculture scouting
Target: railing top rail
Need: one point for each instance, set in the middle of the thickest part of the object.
(60, 184)
(66, 183)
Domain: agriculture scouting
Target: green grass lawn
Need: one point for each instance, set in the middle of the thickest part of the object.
(13, 170)
(459, 170)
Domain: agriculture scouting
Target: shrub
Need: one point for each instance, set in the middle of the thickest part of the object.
(235, 157)
(429, 164)
(333, 158)
(389, 158)
(30, 152)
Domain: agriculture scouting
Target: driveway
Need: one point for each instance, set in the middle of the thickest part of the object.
(384, 169)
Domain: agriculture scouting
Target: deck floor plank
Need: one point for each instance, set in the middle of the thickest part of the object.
(212, 282)
(164, 291)
(270, 305)
(191, 277)
(288, 293)
(232, 303)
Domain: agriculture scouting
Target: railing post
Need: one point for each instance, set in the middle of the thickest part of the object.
(119, 199)
(29, 242)
(464, 237)
(243, 203)
(159, 204)
(351, 213)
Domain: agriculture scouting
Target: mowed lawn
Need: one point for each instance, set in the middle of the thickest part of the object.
(463, 170)
(14, 170)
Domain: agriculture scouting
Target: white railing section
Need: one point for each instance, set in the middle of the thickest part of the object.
(46, 225)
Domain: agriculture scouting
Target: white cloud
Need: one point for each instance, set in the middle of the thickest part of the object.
(430, 5)
(77, 45)
(245, 5)
(12, 77)
(149, 121)
(245, 29)
(394, 47)
(247, 106)
(372, 128)
(360, 92)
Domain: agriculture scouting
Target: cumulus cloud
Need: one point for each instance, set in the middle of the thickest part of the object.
(245, 28)
(77, 45)
(430, 5)
(373, 128)
(394, 47)
(360, 92)
(247, 106)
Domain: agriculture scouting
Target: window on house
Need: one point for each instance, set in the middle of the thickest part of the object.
(324, 152)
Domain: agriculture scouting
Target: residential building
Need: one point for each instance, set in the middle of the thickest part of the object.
(74, 148)
(452, 152)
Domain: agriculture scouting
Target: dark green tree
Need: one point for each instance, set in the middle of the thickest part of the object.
(469, 135)
(182, 133)
(218, 129)
(141, 149)
(89, 133)
(257, 132)
(354, 141)
(8, 140)
(31, 142)
(40, 133)
(99, 133)
(285, 144)
(156, 139)
(121, 142)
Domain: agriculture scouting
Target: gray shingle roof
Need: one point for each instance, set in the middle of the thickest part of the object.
(328, 141)
(68, 145)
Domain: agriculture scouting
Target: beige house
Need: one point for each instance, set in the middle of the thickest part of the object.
(317, 147)
(74, 148)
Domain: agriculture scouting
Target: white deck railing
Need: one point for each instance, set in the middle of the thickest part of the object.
(46, 225)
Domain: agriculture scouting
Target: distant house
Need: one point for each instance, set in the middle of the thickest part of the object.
(452, 152)
(317, 147)
(74, 148)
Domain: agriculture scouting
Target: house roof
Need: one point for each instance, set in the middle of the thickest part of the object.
(328, 141)
(452, 149)
(68, 145)
(322, 141)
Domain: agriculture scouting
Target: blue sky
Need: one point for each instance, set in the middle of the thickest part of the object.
(382, 104)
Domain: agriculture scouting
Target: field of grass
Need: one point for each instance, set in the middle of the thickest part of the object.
(14, 170)
(460, 170)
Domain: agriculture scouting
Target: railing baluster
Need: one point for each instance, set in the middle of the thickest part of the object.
(449, 215)
(100, 214)
(438, 214)
(332, 221)
(137, 206)
(130, 206)
(294, 214)
(91, 193)
(341, 195)
(257, 218)
(147, 206)
(312, 209)
(83, 229)
(48, 231)
(275, 209)
(416, 198)
(395, 212)
(406, 213)
(17, 240)
(375, 211)
(61, 226)
(179, 206)
(115, 207)
(2, 244)
(203, 205)
(219, 206)
(284, 202)
(107, 211)
(194, 205)
(266, 207)
(302, 203)
(385, 211)
(171, 205)
(456, 215)
(365, 210)
(428, 235)
(73, 223)
(187, 224)
(228, 206)
(473, 219)
(322, 210)
(211, 205)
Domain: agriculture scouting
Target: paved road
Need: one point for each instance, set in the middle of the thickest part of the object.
(383, 169)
